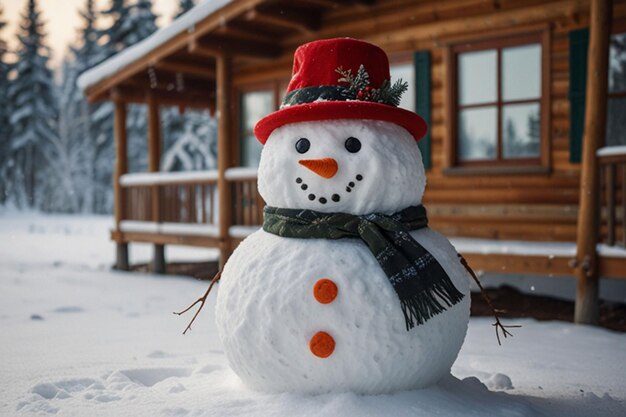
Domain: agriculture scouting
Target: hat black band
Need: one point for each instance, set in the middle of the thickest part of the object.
(318, 93)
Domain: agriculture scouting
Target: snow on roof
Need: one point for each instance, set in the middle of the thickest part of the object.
(131, 54)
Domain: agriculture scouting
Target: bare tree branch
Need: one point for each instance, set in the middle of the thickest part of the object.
(200, 300)
(498, 324)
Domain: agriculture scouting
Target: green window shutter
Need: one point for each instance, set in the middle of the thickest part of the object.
(578, 46)
(421, 61)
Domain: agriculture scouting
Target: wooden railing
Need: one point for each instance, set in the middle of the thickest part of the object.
(612, 162)
(247, 204)
(178, 197)
(191, 197)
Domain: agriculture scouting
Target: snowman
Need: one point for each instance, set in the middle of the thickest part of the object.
(345, 288)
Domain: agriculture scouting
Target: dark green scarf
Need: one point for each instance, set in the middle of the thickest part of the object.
(422, 285)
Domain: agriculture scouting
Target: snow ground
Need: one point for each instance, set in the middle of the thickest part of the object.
(77, 339)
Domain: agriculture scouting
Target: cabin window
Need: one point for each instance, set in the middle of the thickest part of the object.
(616, 117)
(254, 106)
(497, 102)
(406, 71)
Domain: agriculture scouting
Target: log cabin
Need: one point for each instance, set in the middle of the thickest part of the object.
(525, 99)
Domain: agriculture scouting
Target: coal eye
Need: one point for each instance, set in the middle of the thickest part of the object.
(353, 145)
(303, 145)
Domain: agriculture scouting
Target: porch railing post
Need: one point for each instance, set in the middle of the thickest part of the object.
(223, 65)
(121, 168)
(587, 266)
(154, 161)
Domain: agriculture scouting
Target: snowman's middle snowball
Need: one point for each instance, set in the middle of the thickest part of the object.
(384, 175)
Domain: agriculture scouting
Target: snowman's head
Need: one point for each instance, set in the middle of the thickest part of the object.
(349, 166)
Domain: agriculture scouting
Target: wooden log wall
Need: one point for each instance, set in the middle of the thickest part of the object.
(535, 206)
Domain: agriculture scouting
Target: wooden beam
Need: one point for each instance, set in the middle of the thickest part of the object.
(121, 160)
(165, 81)
(187, 68)
(235, 32)
(167, 98)
(154, 136)
(519, 264)
(165, 239)
(224, 141)
(217, 46)
(154, 161)
(121, 168)
(287, 19)
(327, 4)
(587, 269)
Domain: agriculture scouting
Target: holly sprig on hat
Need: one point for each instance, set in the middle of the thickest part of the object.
(360, 85)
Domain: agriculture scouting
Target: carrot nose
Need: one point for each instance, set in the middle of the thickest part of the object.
(325, 167)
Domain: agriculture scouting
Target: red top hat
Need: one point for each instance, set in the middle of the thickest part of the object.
(341, 78)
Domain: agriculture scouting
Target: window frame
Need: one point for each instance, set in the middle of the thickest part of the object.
(617, 27)
(268, 86)
(539, 164)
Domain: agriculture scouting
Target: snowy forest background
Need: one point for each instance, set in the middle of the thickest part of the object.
(57, 150)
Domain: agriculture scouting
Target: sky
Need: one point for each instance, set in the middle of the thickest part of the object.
(62, 20)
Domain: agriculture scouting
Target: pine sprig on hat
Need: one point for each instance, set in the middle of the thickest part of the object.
(360, 86)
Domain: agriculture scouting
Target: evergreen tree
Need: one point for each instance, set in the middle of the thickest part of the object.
(69, 170)
(89, 53)
(94, 120)
(131, 24)
(34, 110)
(5, 131)
(184, 6)
(194, 147)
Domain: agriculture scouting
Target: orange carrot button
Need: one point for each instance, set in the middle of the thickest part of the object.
(325, 291)
(322, 344)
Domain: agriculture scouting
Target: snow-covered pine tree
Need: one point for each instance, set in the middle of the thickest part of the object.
(4, 113)
(131, 23)
(68, 171)
(34, 110)
(190, 138)
(184, 6)
(95, 120)
(113, 36)
(142, 23)
(195, 146)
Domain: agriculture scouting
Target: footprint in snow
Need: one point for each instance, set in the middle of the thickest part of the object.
(149, 377)
(65, 388)
(158, 354)
(68, 309)
(206, 369)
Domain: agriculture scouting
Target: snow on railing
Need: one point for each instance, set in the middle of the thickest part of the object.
(189, 229)
(158, 178)
(241, 173)
(612, 151)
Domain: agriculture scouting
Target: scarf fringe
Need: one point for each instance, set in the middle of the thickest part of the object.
(427, 303)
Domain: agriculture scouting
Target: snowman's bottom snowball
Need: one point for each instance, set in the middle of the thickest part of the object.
(266, 315)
